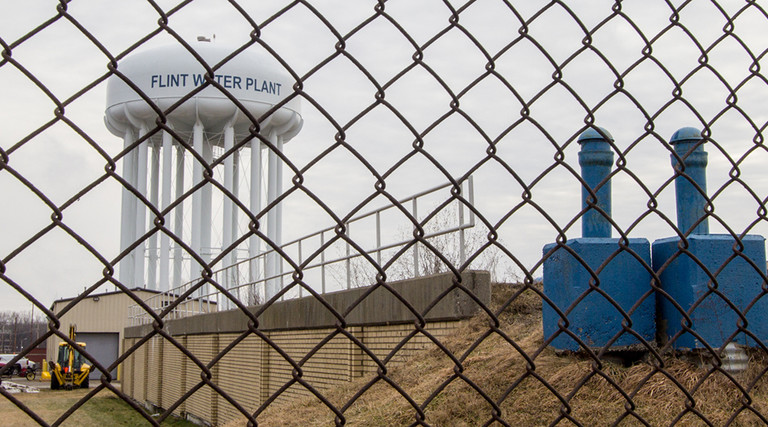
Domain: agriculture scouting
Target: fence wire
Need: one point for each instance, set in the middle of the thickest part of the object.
(499, 90)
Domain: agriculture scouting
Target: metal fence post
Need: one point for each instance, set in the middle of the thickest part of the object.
(301, 259)
(322, 263)
(415, 214)
(347, 262)
(462, 240)
(378, 238)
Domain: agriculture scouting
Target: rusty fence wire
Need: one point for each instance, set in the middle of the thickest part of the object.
(398, 97)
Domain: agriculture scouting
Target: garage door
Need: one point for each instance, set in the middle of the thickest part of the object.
(102, 346)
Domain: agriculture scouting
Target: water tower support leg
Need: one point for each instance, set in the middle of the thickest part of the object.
(227, 236)
(128, 214)
(154, 196)
(197, 176)
(141, 209)
(235, 276)
(272, 219)
(206, 214)
(165, 254)
(178, 220)
(255, 206)
(279, 208)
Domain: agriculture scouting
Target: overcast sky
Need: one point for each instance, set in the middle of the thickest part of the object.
(60, 163)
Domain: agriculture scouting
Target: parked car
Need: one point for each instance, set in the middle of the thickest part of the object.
(20, 368)
(5, 359)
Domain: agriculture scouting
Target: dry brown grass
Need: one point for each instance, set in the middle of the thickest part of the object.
(495, 366)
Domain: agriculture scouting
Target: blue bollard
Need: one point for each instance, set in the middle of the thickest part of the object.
(691, 201)
(593, 280)
(596, 159)
(686, 278)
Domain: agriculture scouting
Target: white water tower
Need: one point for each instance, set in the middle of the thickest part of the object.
(210, 123)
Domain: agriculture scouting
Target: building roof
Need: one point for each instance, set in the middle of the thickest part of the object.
(105, 294)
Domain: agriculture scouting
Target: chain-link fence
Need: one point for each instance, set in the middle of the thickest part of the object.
(395, 98)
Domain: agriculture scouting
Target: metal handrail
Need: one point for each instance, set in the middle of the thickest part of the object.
(208, 302)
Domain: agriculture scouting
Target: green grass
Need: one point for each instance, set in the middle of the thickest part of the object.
(104, 409)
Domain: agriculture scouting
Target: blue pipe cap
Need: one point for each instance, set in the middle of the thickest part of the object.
(689, 134)
(592, 134)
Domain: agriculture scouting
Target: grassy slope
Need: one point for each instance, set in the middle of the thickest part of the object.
(503, 374)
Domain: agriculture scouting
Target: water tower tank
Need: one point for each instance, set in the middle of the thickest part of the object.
(209, 121)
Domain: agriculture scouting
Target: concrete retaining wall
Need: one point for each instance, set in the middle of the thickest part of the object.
(159, 374)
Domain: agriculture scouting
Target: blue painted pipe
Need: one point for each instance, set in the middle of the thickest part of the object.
(596, 159)
(690, 201)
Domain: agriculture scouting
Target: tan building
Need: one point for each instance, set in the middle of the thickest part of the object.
(100, 320)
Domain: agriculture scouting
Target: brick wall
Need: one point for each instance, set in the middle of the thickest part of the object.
(154, 380)
(174, 378)
(240, 375)
(202, 401)
(128, 371)
(253, 372)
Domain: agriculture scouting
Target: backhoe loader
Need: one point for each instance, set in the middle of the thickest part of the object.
(70, 370)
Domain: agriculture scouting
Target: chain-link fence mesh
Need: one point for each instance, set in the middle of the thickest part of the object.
(398, 97)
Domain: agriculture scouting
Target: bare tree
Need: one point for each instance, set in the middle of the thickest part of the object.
(19, 329)
(253, 297)
(442, 253)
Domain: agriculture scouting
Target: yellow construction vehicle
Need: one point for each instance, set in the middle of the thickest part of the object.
(70, 370)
